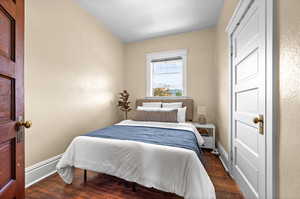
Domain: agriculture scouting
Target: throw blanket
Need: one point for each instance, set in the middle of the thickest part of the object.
(151, 135)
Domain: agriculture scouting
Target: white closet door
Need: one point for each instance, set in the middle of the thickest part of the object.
(248, 96)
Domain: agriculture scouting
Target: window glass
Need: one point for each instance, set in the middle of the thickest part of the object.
(167, 77)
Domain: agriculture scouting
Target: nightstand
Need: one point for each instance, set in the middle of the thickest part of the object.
(208, 133)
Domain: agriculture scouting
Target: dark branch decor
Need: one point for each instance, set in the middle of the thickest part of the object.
(123, 103)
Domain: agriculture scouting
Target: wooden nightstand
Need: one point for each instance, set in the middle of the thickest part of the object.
(208, 133)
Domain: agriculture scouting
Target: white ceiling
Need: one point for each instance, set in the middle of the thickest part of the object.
(135, 20)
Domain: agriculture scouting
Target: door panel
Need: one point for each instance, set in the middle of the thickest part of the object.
(245, 70)
(247, 101)
(6, 163)
(6, 99)
(248, 96)
(11, 99)
(10, 6)
(246, 36)
(247, 135)
(5, 34)
(246, 168)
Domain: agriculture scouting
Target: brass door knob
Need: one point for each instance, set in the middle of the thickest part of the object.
(26, 124)
(258, 120)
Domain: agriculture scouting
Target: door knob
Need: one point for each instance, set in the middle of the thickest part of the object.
(26, 124)
(260, 121)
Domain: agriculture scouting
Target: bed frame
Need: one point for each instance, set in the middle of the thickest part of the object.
(188, 102)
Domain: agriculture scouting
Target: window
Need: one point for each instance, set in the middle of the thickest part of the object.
(166, 74)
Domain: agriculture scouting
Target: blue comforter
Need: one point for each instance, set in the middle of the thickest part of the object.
(151, 135)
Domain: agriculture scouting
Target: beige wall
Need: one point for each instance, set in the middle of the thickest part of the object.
(289, 138)
(222, 75)
(73, 71)
(201, 82)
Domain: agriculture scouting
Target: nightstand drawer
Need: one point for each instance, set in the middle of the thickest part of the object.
(208, 142)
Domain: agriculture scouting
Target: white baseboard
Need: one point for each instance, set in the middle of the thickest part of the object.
(223, 156)
(41, 170)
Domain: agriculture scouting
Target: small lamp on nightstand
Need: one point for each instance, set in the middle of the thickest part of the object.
(201, 111)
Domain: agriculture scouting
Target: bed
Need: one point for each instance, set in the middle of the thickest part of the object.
(162, 155)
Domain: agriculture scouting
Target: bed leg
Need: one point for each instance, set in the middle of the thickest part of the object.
(84, 175)
(133, 187)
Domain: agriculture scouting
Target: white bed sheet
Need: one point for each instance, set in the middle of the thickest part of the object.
(169, 169)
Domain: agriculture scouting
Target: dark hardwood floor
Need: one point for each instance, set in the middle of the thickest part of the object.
(100, 186)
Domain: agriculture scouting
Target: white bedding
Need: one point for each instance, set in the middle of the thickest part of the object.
(169, 169)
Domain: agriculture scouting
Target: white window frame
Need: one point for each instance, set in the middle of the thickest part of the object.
(162, 55)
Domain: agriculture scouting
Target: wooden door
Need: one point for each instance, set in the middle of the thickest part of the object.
(248, 101)
(11, 99)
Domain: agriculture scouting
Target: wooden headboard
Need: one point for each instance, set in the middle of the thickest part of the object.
(189, 103)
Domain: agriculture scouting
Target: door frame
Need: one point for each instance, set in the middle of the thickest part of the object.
(272, 90)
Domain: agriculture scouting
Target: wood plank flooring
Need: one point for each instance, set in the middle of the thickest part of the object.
(100, 186)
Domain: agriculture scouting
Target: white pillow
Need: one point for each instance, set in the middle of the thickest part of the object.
(152, 104)
(181, 114)
(142, 108)
(145, 108)
(172, 105)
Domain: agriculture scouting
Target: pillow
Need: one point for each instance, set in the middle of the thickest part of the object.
(142, 108)
(181, 115)
(152, 104)
(145, 108)
(156, 116)
(172, 105)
